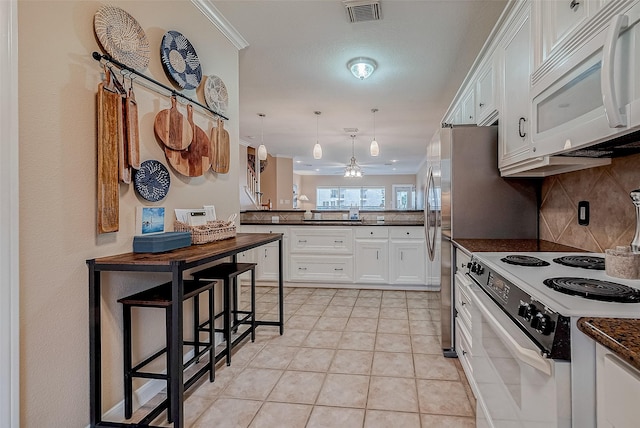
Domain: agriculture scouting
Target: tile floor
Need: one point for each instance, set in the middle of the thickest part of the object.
(348, 358)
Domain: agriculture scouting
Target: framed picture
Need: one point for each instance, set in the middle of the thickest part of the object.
(149, 220)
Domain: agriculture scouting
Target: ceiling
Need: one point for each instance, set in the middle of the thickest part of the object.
(296, 63)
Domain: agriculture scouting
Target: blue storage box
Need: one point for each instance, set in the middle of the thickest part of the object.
(160, 242)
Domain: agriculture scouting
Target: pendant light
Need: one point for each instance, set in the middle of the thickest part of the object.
(317, 150)
(262, 150)
(353, 170)
(374, 149)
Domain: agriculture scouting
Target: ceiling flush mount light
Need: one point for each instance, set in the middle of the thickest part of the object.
(317, 150)
(374, 149)
(262, 150)
(362, 67)
(353, 170)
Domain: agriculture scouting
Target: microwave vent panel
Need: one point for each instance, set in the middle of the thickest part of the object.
(362, 10)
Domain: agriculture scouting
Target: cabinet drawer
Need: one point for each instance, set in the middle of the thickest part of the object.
(371, 232)
(321, 240)
(321, 269)
(407, 233)
(272, 229)
(462, 259)
(465, 353)
(463, 304)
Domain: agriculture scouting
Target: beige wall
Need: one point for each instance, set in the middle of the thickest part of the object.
(57, 86)
(284, 184)
(309, 183)
(613, 218)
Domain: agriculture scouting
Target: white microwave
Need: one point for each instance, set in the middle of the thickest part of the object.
(595, 94)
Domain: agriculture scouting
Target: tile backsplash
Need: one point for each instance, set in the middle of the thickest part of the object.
(612, 214)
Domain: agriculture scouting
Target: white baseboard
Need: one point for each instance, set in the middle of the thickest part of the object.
(147, 391)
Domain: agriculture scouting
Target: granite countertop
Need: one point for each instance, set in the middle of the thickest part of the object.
(333, 223)
(512, 245)
(620, 335)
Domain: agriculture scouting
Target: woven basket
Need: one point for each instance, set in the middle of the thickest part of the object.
(212, 231)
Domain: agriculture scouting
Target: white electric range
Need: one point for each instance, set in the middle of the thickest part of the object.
(532, 366)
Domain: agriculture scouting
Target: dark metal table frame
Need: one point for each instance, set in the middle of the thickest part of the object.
(174, 262)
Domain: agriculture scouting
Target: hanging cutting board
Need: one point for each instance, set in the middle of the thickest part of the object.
(109, 136)
(223, 149)
(214, 146)
(124, 170)
(195, 160)
(172, 128)
(133, 132)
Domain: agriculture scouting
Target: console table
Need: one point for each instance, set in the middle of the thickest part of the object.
(175, 262)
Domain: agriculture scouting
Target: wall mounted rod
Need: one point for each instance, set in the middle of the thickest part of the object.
(99, 57)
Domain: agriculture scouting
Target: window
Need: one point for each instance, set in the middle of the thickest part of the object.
(343, 198)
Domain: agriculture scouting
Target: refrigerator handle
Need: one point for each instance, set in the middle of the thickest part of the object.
(430, 229)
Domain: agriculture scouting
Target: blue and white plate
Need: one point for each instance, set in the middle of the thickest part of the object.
(180, 60)
(152, 180)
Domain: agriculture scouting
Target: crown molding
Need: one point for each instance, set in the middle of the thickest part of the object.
(213, 14)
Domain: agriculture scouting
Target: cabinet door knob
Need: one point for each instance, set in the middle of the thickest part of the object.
(481, 105)
(574, 4)
(338, 242)
(338, 269)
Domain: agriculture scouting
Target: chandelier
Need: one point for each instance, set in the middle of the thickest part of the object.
(353, 169)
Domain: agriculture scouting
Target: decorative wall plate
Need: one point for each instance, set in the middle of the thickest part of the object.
(215, 94)
(152, 180)
(122, 37)
(180, 60)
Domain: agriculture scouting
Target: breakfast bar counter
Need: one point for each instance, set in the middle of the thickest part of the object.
(176, 262)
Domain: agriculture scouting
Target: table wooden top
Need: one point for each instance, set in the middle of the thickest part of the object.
(193, 254)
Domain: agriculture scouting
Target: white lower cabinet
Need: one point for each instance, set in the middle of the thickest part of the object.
(617, 390)
(361, 254)
(266, 256)
(372, 255)
(407, 255)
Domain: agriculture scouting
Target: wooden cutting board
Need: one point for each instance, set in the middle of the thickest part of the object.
(109, 136)
(223, 149)
(172, 128)
(124, 170)
(196, 159)
(133, 132)
(214, 146)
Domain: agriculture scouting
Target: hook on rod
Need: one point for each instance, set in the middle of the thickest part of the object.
(108, 60)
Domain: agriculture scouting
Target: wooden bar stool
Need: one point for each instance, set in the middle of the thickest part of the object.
(228, 273)
(160, 297)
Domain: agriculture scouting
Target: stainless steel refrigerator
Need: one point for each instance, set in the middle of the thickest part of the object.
(465, 198)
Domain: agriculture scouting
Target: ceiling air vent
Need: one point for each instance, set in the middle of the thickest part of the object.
(362, 10)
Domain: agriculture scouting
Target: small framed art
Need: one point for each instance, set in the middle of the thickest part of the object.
(149, 220)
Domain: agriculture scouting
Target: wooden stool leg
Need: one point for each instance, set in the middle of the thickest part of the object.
(128, 380)
(212, 339)
(169, 372)
(253, 305)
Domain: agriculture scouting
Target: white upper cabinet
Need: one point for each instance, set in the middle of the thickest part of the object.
(514, 136)
(464, 112)
(485, 96)
(557, 21)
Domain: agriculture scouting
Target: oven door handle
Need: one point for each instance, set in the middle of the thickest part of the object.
(527, 356)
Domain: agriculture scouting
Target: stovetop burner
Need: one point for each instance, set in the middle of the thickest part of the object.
(594, 289)
(585, 262)
(522, 260)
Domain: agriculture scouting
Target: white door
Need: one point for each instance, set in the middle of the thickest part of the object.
(404, 197)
